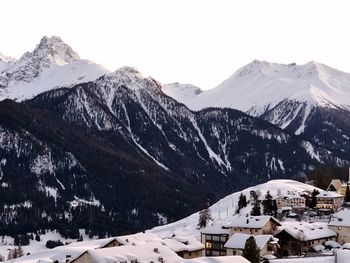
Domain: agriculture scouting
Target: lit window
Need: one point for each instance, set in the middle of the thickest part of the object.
(208, 245)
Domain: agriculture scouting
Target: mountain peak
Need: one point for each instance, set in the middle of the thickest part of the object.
(127, 70)
(5, 59)
(54, 49)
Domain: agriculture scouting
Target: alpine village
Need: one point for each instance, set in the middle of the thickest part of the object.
(112, 166)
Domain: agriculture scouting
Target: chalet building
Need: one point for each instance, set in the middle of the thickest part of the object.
(296, 238)
(331, 201)
(185, 247)
(335, 185)
(254, 225)
(267, 244)
(293, 201)
(214, 237)
(340, 224)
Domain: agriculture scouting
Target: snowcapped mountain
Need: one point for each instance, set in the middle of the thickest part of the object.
(181, 92)
(50, 65)
(6, 59)
(311, 99)
(224, 211)
(261, 86)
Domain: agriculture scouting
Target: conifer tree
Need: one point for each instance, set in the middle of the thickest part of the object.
(204, 218)
(242, 202)
(251, 250)
(313, 201)
(256, 210)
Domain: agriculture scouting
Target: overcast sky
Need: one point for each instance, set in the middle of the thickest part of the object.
(199, 42)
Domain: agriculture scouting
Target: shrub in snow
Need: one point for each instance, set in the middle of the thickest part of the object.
(53, 243)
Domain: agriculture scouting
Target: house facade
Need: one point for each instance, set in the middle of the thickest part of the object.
(290, 201)
(267, 244)
(214, 238)
(331, 201)
(297, 238)
(340, 224)
(254, 225)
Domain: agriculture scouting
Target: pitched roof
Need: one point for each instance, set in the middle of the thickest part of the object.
(137, 238)
(143, 252)
(179, 243)
(329, 194)
(251, 221)
(215, 229)
(336, 183)
(222, 259)
(306, 231)
(340, 218)
(237, 240)
(92, 244)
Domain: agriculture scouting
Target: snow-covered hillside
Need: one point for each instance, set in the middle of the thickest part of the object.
(181, 92)
(224, 211)
(50, 65)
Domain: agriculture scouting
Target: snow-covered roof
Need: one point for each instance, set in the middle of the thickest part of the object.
(47, 255)
(291, 196)
(306, 231)
(251, 221)
(343, 256)
(143, 252)
(329, 194)
(340, 218)
(323, 259)
(332, 243)
(137, 238)
(337, 183)
(346, 246)
(92, 244)
(318, 247)
(237, 240)
(215, 229)
(178, 243)
(224, 259)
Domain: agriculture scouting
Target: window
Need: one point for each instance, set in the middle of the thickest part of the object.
(216, 238)
(208, 245)
(223, 239)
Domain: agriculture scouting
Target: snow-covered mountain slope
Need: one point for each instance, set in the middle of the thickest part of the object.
(311, 99)
(224, 211)
(181, 92)
(260, 86)
(50, 65)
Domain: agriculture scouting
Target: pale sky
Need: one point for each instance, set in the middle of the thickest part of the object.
(188, 41)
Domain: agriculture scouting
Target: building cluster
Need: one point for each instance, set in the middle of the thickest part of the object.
(271, 236)
(222, 243)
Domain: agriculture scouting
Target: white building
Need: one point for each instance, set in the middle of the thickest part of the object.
(266, 244)
(340, 223)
